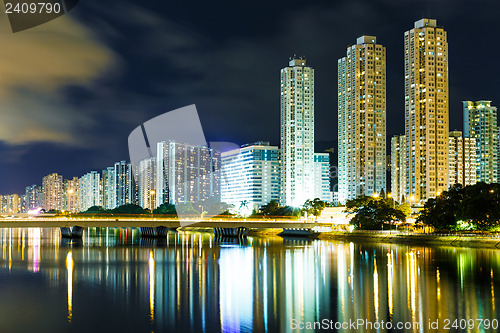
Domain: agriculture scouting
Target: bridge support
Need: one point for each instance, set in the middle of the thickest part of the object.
(154, 232)
(231, 232)
(75, 232)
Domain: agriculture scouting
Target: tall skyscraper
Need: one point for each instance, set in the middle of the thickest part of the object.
(124, 184)
(362, 119)
(462, 159)
(108, 188)
(322, 177)
(426, 110)
(147, 183)
(297, 133)
(89, 191)
(70, 195)
(186, 173)
(52, 188)
(250, 176)
(398, 168)
(480, 123)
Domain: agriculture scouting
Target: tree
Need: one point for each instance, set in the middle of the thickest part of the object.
(372, 213)
(480, 205)
(270, 208)
(405, 207)
(314, 207)
(441, 212)
(166, 209)
(129, 209)
(186, 209)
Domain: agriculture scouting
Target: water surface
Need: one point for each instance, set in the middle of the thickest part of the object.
(114, 281)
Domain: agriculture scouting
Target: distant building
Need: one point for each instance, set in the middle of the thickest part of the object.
(322, 177)
(147, 183)
(33, 197)
(124, 184)
(462, 159)
(186, 173)
(10, 204)
(250, 176)
(426, 110)
(480, 123)
(89, 191)
(70, 195)
(52, 188)
(361, 119)
(398, 168)
(108, 188)
(297, 133)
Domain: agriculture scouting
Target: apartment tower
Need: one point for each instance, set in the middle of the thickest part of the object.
(426, 110)
(297, 133)
(362, 119)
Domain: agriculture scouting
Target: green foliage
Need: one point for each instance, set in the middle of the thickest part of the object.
(270, 208)
(314, 207)
(187, 209)
(129, 209)
(166, 209)
(478, 205)
(405, 207)
(372, 213)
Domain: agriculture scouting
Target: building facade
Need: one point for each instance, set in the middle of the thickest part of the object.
(362, 119)
(89, 191)
(297, 133)
(250, 177)
(70, 195)
(398, 168)
(108, 188)
(33, 197)
(462, 159)
(322, 177)
(426, 110)
(124, 184)
(186, 173)
(147, 183)
(52, 190)
(480, 123)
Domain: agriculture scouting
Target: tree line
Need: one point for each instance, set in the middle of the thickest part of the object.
(473, 207)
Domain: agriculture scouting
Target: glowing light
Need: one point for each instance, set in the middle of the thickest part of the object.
(151, 265)
(69, 267)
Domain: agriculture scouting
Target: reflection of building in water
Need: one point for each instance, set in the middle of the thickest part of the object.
(193, 283)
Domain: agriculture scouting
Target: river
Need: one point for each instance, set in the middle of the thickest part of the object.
(115, 281)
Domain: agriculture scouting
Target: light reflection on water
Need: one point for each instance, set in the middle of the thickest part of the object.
(114, 280)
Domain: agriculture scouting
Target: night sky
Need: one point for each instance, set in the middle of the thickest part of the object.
(73, 89)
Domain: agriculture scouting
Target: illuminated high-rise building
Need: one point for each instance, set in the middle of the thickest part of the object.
(398, 168)
(33, 197)
(250, 176)
(426, 110)
(362, 119)
(147, 183)
(70, 195)
(124, 184)
(108, 188)
(322, 177)
(89, 191)
(186, 173)
(480, 123)
(462, 159)
(297, 133)
(52, 188)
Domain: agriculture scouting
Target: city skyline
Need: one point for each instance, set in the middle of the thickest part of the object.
(92, 111)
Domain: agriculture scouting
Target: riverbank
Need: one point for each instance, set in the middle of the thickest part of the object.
(414, 239)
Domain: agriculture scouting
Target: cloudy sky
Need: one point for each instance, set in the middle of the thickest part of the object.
(73, 89)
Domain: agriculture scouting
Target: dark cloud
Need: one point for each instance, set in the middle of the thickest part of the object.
(225, 57)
